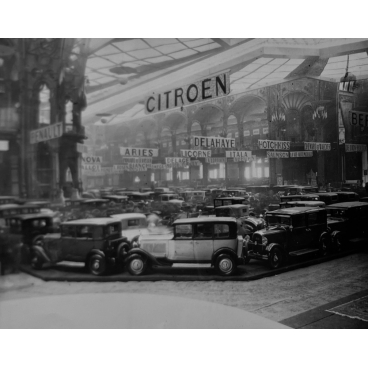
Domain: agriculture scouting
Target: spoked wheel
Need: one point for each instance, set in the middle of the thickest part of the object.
(276, 258)
(97, 265)
(324, 245)
(225, 265)
(37, 261)
(137, 265)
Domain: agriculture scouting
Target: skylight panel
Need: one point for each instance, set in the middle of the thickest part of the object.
(278, 61)
(360, 55)
(107, 50)
(262, 60)
(184, 53)
(146, 53)
(336, 59)
(154, 42)
(294, 62)
(168, 49)
(159, 59)
(198, 42)
(207, 47)
(97, 62)
(131, 45)
(105, 79)
(119, 58)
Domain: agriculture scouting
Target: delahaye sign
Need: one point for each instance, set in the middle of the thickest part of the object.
(207, 88)
(214, 142)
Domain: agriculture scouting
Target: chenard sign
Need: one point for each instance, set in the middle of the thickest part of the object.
(205, 89)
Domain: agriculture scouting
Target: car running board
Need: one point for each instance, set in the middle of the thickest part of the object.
(303, 251)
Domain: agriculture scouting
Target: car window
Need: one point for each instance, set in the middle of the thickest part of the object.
(113, 229)
(183, 231)
(68, 231)
(313, 219)
(278, 220)
(133, 222)
(84, 231)
(203, 231)
(222, 231)
(97, 232)
(298, 221)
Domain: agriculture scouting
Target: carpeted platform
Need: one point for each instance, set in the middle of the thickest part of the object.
(254, 270)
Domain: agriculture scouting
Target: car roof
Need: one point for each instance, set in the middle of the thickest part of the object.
(28, 216)
(124, 216)
(300, 195)
(95, 200)
(115, 196)
(295, 210)
(347, 204)
(195, 220)
(240, 198)
(234, 206)
(306, 203)
(327, 193)
(9, 205)
(92, 221)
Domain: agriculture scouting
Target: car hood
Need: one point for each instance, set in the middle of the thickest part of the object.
(52, 236)
(153, 236)
(273, 233)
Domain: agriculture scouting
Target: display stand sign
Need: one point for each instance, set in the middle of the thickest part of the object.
(45, 134)
(138, 152)
(358, 118)
(351, 147)
(95, 160)
(275, 145)
(232, 154)
(317, 146)
(195, 153)
(215, 160)
(205, 89)
(136, 160)
(213, 142)
(275, 154)
(301, 154)
(179, 160)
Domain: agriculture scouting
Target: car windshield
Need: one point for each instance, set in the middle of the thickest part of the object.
(223, 212)
(278, 220)
(336, 212)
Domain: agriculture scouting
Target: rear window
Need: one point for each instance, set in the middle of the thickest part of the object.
(222, 231)
(68, 231)
(183, 231)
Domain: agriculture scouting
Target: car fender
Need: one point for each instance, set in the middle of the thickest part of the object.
(40, 252)
(271, 246)
(326, 234)
(223, 251)
(122, 245)
(143, 253)
(96, 251)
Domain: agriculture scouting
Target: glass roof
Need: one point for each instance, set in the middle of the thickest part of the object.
(122, 72)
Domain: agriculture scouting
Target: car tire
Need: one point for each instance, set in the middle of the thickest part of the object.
(36, 261)
(225, 265)
(324, 245)
(276, 258)
(97, 264)
(137, 265)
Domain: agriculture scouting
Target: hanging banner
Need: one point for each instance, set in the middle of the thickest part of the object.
(136, 160)
(276, 145)
(273, 154)
(180, 160)
(230, 154)
(317, 146)
(301, 154)
(351, 147)
(94, 160)
(206, 89)
(47, 133)
(214, 142)
(245, 159)
(358, 118)
(138, 152)
(195, 153)
(91, 167)
(215, 160)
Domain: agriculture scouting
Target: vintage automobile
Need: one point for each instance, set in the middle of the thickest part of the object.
(235, 193)
(211, 240)
(328, 197)
(8, 200)
(347, 220)
(116, 198)
(347, 196)
(132, 225)
(29, 228)
(226, 201)
(137, 197)
(247, 222)
(303, 204)
(97, 242)
(299, 197)
(170, 197)
(10, 210)
(290, 232)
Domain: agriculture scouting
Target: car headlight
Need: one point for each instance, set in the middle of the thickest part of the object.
(264, 240)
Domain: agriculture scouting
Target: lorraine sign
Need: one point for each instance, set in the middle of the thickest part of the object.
(205, 89)
(45, 134)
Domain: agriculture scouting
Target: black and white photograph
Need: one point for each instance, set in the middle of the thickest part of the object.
(184, 183)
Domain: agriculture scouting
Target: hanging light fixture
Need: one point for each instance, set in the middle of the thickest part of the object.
(348, 81)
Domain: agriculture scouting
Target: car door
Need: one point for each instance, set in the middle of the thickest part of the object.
(203, 241)
(182, 246)
(67, 242)
(317, 224)
(300, 235)
(84, 242)
(224, 236)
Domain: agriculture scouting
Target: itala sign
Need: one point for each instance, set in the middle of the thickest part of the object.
(214, 142)
(206, 89)
(275, 145)
(138, 152)
(231, 154)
